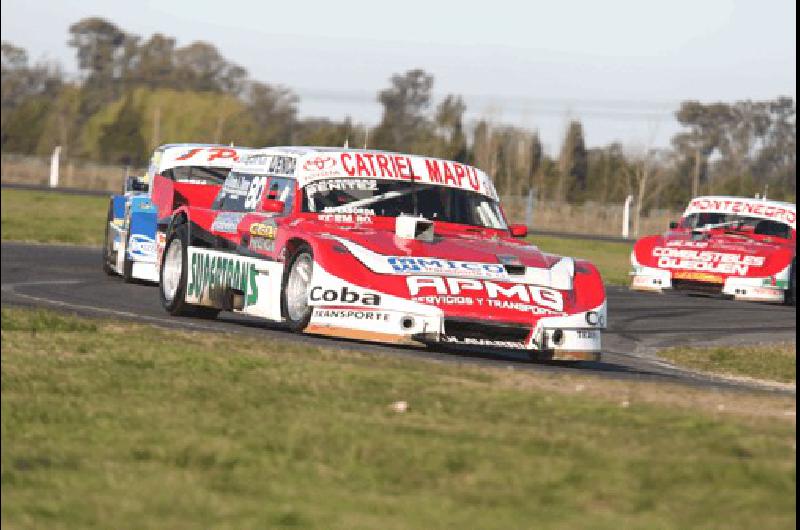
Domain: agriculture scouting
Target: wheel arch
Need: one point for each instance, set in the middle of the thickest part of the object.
(179, 217)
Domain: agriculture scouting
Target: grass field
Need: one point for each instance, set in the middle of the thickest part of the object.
(48, 217)
(611, 258)
(775, 362)
(112, 425)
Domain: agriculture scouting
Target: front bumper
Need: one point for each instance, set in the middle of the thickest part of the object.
(749, 289)
(402, 321)
(143, 263)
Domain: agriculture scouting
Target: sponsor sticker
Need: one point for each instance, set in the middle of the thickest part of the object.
(706, 261)
(470, 341)
(214, 274)
(282, 165)
(698, 276)
(413, 265)
(142, 246)
(227, 222)
(355, 314)
(345, 295)
(320, 163)
(341, 184)
(261, 244)
(466, 291)
(263, 230)
(344, 218)
(236, 185)
(751, 207)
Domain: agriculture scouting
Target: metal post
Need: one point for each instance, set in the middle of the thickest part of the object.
(54, 167)
(626, 217)
(529, 209)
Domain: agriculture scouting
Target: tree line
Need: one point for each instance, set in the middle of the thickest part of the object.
(134, 94)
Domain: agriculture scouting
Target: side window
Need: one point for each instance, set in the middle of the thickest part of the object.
(281, 189)
(240, 193)
(243, 192)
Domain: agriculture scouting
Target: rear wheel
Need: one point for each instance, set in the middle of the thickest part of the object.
(127, 263)
(295, 286)
(791, 293)
(174, 275)
(107, 242)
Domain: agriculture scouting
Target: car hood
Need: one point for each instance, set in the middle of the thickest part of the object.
(455, 247)
(724, 242)
(721, 253)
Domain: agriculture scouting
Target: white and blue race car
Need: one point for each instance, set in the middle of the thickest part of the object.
(178, 175)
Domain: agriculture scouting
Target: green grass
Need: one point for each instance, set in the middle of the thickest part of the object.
(776, 362)
(48, 217)
(611, 258)
(119, 426)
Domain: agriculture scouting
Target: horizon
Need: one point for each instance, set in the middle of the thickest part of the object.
(630, 81)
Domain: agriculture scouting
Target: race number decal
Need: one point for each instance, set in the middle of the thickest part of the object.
(254, 193)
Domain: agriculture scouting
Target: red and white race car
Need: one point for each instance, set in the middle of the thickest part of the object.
(378, 246)
(739, 247)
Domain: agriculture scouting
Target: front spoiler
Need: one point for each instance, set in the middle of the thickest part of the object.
(745, 289)
(551, 338)
(143, 269)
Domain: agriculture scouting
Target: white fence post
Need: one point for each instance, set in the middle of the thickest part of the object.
(626, 217)
(529, 209)
(54, 167)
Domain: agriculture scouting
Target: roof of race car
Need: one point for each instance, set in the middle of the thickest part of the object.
(784, 212)
(309, 164)
(194, 154)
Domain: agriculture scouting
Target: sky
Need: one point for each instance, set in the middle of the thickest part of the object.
(620, 66)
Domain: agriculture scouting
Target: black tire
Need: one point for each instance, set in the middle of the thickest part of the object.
(107, 242)
(127, 264)
(791, 293)
(177, 306)
(295, 324)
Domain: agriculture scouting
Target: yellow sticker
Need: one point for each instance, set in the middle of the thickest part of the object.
(263, 230)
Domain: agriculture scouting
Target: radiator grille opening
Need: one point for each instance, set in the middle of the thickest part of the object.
(697, 287)
(462, 329)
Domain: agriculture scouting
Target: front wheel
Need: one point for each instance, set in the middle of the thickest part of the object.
(174, 275)
(791, 293)
(108, 242)
(295, 287)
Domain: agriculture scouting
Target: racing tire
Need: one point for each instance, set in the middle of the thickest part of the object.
(107, 243)
(127, 266)
(127, 263)
(294, 288)
(172, 288)
(791, 293)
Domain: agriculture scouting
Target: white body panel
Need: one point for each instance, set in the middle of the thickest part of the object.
(340, 306)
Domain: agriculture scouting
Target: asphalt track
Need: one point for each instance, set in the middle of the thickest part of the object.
(69, 277)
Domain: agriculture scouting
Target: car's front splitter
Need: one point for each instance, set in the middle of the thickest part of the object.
(344, 309)
(750, 289)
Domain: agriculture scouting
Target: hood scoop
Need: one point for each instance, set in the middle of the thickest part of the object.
(512, 264)
(417, 228)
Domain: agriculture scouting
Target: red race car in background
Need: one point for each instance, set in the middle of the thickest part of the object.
(738, 247)
(178, 174)
(378, 246)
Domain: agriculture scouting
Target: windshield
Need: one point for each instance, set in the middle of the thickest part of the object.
(389, 198)
(733, 222)
(197, 174)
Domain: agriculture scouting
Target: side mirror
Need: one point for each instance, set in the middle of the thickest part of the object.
(673, 225)
(518, 230)
(272, 206)
(134, 183)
